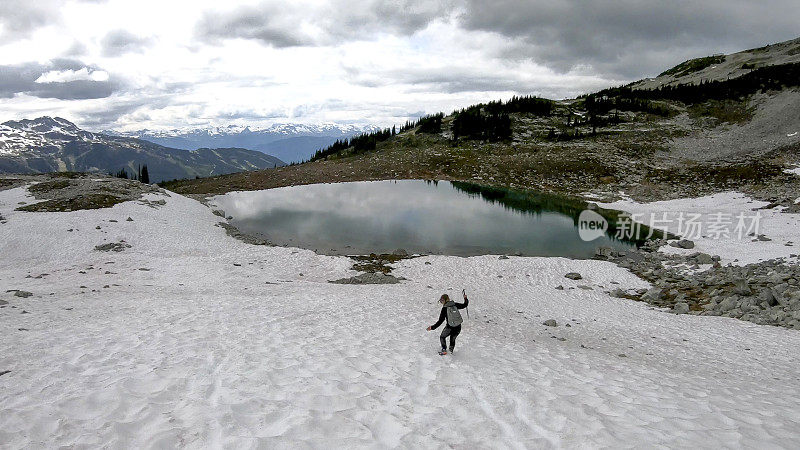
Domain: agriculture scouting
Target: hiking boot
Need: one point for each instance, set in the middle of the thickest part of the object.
(442, 352)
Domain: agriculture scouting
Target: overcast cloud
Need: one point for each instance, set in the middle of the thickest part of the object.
(156, 64)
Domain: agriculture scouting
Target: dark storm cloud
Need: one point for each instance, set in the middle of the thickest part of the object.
(630, 38)
(292, 25)
(21, 79)
(120, 42)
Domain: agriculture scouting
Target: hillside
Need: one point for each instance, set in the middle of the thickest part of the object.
(56, 145)
(653, 140)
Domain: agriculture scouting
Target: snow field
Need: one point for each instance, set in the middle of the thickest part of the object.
(197, 352)
(781, 228)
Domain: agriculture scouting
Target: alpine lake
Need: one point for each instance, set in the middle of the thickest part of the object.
(424, 217)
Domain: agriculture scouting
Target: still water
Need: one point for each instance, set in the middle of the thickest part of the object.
(450, 218)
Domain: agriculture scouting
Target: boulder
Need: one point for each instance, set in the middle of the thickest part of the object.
(604, 252)
(681, 308)
(550, 323)
(618, 293)
(741, 288)
(653, 294)
(683, 243)
(23, 294)
(400, 252)
(573, 276)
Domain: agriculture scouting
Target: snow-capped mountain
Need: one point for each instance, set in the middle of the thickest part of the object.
(287, 141)
(50, 144)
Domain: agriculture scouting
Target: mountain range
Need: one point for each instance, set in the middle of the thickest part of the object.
(51, 144)
(286, 141)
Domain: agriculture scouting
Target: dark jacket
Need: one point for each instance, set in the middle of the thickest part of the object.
(443, 314)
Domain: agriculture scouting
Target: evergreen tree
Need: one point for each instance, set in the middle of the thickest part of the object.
(145, 176)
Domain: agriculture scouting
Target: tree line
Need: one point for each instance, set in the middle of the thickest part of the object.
(141, 174)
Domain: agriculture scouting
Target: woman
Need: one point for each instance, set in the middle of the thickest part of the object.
(453, 326)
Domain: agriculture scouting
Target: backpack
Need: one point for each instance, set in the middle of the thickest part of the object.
(454, 318)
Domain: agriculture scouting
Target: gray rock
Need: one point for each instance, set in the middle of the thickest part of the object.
(727, 304)
(742, 288)
(704, 258)
(503, 257)
(550, 323)
(129, 219)
(681, 308)
(618, 293)
(683, 243)
(653, 294)
(23, 294)
(219, 212)
(400, 252)
(768, 297)
(112, 247)
(573, 276)
(604, 252)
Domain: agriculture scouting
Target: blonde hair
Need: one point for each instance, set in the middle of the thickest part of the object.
(444, 298)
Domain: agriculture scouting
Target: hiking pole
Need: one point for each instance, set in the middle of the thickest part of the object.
(464, 291)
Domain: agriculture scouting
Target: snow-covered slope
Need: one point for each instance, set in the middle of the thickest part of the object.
(190, 338)
(50, 144)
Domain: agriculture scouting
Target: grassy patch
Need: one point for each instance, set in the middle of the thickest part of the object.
(48, 186)
(89, 201)
(694, 65)
(727, 111)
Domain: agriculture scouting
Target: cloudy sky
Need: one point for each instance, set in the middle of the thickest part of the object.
(120, 64)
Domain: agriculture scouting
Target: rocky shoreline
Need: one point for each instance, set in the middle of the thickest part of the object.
(765, 293)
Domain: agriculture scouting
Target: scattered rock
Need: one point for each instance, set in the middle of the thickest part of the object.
(112, 247)
(3, 372)
(369, 278)
(400, 252)
(560, 287)
(503, 257)
(573, 276)
(550, 323)
(129, 219)
(604, 252)
(218, 212)
(23, 294)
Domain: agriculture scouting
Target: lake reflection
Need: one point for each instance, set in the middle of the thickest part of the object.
(418, 216)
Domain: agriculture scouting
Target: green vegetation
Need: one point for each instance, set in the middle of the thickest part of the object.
(431, 124)
(142, 174)
(88, 201)
(728, 111)
(694, 65)
(471, 123)
(360, 144)
(48, 186)
(774, 77)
